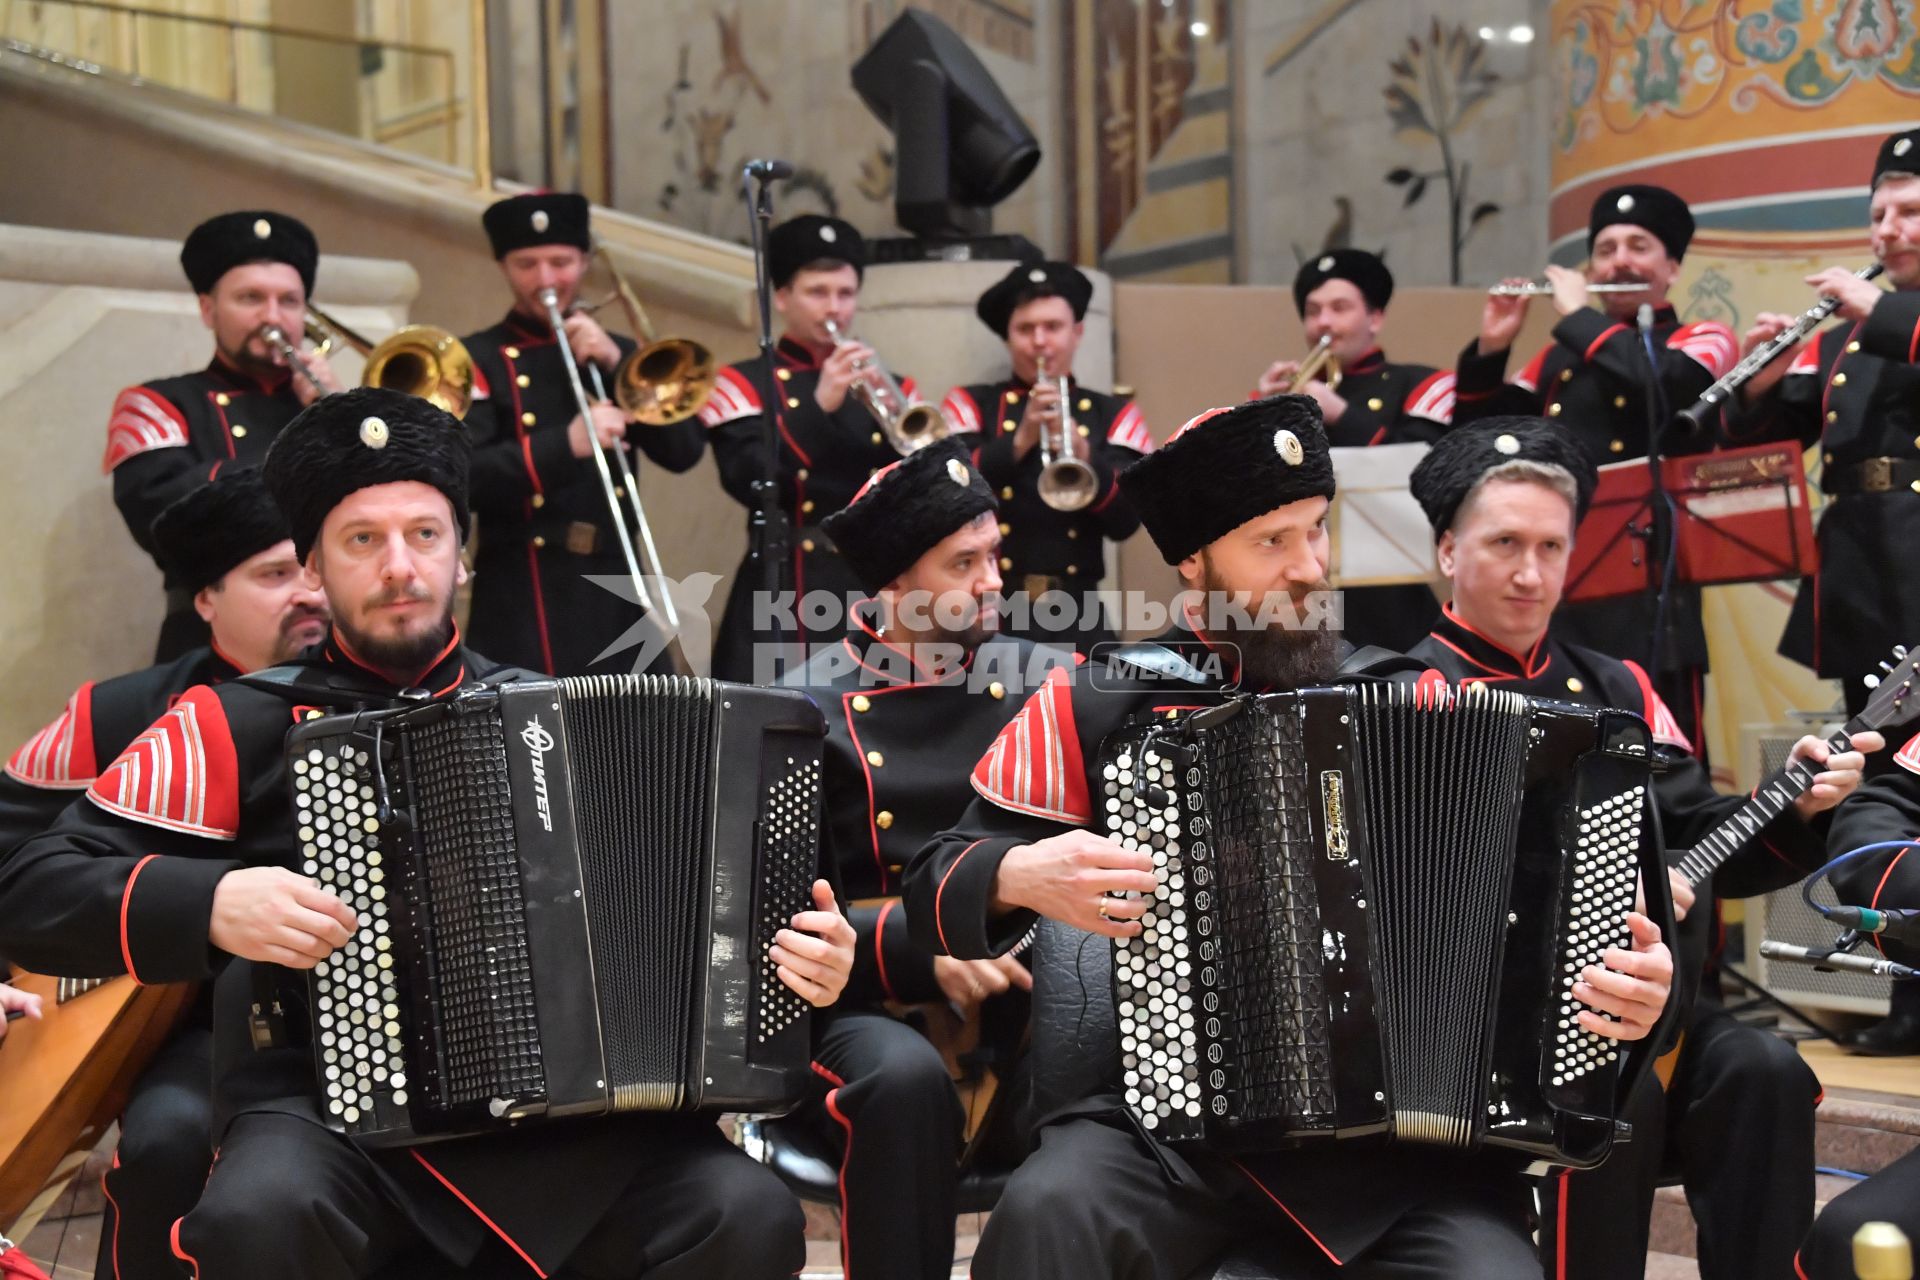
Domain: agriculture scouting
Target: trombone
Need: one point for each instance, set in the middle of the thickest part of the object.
(667, 380)
(1321, 365)
(668, 614)
(909, 423)
(1066, 482)
(421, 360)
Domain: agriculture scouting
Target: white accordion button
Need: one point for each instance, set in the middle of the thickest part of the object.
(540, 220)
(1624, 204)
(957, 470)
(1288, 446)
(373, 433)
(1507, 443)
(262, 228)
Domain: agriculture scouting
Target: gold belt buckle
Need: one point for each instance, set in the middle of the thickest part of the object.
(1876, 475)
(582, 538)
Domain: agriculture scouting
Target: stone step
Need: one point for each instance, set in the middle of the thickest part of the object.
(1673, 1231)
(1865, 1132)
(1668, 1266)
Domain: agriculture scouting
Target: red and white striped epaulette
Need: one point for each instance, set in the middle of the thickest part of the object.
(60, 756)
(1908, 757)
(1035, 767)
(1432, 399)
(1709, 344)
(734, 396)
(142, 420)
(181, 774)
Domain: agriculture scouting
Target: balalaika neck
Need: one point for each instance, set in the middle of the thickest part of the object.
(1769, 801)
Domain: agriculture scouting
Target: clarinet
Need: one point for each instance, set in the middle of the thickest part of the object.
(1695, 414)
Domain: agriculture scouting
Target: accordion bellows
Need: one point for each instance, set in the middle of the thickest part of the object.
(567, 892)
(1373, 904)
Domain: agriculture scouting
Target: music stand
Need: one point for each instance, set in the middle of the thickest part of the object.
(1742, 515)
(1380, 535)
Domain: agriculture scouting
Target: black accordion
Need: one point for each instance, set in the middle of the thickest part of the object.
(1373, 903)
(567, 890)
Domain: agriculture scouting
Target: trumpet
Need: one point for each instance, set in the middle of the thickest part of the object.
(668, 379)
(421, 360)
(1066, 482)
(1544, 288)
(909, 423)
(668, 614)
(1320, 365)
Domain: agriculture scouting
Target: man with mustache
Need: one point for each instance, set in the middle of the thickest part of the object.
(1237, 501)
(1594, 379)
(175, 873)
(228, 546)
(1504, 497)
(913, 695)
(250, 269)
(1852, 392)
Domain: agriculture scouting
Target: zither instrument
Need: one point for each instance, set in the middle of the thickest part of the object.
(1321, 365)
(1764, 354)
(669, 616)
(1544, 288)
(668, 379)
(1066, 483)
(909, 423)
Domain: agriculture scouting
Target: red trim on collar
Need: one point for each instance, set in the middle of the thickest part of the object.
(791, 351)
(222, 654)
(346, 651)
(1527, 669)
(528, 331)
(1371, 361)
(860, 621)
(246, 382)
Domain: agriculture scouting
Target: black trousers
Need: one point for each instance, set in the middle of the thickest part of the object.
(1892, 1195)
(166, 1144)
(290, 1200)
(1092, 1202)
(1737, 1124)
(888, 1094)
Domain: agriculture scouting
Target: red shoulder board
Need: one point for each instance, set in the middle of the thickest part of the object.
(1709, 343)
(142, 420)
(960, 410)
(1129, 430)
(482, 389)
(60, 756)
(1666, 729)
(1529, 377)
(1433, 398)
(1908, 757)
(180, 774)
(734, 396)
(1034, 766)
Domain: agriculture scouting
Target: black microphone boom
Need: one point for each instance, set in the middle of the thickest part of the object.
(768, 170)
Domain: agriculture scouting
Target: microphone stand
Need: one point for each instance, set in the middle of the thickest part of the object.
(769, 536)
(1664, 515)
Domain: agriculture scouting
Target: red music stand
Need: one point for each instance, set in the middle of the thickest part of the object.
(1742, 515)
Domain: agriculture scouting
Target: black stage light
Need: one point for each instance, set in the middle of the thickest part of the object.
(959, 146)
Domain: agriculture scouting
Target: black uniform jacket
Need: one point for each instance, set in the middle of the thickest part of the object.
(822, 461)
(1593, 377)
(1784, 852)
(1067, 547)
(1037, 781)
(900, 747)
(543, 516)
(1886, 808)
(1855, 393)
(124, 883)
(168, 437)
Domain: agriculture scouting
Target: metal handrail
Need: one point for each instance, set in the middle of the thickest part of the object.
(448, 111)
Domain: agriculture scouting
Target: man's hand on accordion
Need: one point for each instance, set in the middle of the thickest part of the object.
(1068, 877)
(279, 917)
(1632, 988)
(816, 954)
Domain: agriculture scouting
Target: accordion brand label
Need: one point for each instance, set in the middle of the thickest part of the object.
(1333, 808)
(538, 742)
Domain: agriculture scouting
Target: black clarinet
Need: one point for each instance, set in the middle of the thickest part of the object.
(1695, 414)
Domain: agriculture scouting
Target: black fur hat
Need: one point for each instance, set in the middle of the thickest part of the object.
(1029, 281)
(1898, 154)
(1227, 466)
(229, 240)
(1365, 270)
(203, 534)
(810, 238)
(1655, 208)
(1448, 473)
(353, 440)
(537, 217)
(905, 509)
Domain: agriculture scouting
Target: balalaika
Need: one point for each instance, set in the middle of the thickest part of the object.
(1373, 903)
(567, 891)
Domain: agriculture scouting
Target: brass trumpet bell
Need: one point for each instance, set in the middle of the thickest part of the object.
(427, 361)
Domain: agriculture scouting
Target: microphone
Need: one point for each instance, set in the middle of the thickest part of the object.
(1644, 318)
(1898, 925)
(1823, 958)
(768, 170)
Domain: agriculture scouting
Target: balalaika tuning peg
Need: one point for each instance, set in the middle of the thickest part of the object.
(1871, 681)
(1900, 652)
(1887, 667)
